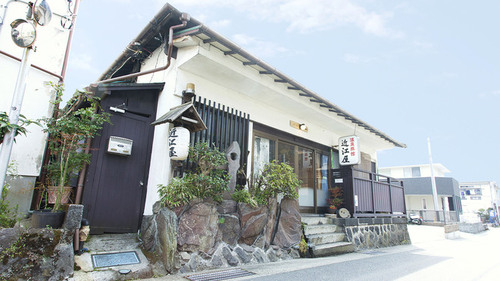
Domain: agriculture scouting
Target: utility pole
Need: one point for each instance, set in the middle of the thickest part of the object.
(433, 179)
(15, 109)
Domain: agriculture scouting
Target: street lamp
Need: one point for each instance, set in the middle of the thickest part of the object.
(24, 35)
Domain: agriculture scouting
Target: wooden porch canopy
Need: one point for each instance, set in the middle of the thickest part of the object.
(183, 115)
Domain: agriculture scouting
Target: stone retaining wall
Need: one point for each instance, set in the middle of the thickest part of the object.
(207, 235)
(371, 233)
(472, 227)
(39, 253)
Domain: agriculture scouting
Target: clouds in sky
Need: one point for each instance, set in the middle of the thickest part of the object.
(84, 62)
(260, 47)
(490, 95)
(306, 16)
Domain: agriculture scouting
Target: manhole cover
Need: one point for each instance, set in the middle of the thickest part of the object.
(115, 259)
(219, 275)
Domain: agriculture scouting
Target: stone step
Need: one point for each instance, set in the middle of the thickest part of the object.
(321, 228)
(315, 220)
(331, 249)
(326, 238)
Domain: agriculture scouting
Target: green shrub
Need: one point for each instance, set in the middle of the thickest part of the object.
(303, 247)
(8, 214)
(207, 180)
(276, 179)
(174, 194)
(244, 196)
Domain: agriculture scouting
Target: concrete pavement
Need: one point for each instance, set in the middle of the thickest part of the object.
(469, 257)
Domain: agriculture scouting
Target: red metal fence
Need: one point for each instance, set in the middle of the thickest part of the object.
(368, 194)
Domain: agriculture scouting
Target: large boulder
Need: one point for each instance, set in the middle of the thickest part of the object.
(289, 230)
(229, 228)
(166, 222)
(36, 254)
(198, 228)
(149, 231)
(253, 221)
(271, 222)
(227, 207)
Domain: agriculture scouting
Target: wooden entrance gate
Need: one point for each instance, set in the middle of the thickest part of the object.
(115, 187)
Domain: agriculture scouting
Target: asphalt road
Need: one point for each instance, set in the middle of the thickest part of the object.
(430, 257)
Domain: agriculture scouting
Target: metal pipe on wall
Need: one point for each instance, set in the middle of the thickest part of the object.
(70, 39)
(185, 18)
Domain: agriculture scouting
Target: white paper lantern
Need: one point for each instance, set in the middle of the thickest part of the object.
(178, 143)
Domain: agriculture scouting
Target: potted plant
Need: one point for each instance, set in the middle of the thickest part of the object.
(335, 199)
(68, 131)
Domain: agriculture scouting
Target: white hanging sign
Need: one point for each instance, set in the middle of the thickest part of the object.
(178, 143)
(349, 153)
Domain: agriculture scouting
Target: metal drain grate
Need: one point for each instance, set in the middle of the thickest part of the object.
(115, 259)
(219, 275)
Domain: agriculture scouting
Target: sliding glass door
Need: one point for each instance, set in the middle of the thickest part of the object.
(302, 161)
(310, 165)
(321, 165)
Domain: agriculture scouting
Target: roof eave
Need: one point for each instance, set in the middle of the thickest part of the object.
(168, 12)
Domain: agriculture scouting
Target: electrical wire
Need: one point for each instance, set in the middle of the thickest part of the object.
(156, 65)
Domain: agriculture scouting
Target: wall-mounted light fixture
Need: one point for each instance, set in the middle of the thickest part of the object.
(298, 126)
(188, 94)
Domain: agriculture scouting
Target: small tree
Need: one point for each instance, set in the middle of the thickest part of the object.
(275, 179)
(68, 133)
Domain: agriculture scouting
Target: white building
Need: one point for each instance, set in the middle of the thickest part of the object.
(480, 195)
(48, 58)
(418, 190)
(414, 171)
(278, 119)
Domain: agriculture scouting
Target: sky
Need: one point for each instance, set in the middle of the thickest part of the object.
(412, 69)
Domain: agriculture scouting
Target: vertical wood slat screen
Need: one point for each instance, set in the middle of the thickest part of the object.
(224, 125)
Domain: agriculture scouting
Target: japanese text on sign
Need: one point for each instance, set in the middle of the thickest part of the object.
(172, 142)
(349, 150)
(178, 143)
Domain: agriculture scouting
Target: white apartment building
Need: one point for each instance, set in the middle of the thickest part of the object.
(418, 190)
(480, 195)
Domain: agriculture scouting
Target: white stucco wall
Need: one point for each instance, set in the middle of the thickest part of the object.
(48, 53)
(225, 80)
(415, 202)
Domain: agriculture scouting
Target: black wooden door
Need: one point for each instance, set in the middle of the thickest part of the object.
(115, 188)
